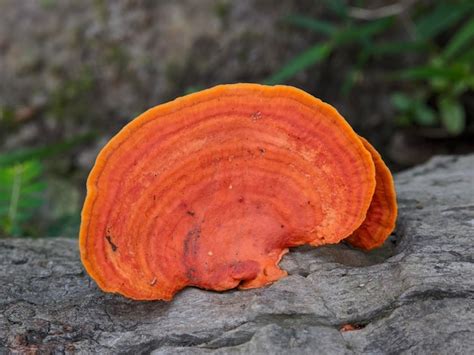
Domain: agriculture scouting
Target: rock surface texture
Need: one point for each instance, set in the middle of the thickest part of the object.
(414, 295)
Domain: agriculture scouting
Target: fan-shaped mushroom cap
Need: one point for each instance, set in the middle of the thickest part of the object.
(211, 189)
(382, 213)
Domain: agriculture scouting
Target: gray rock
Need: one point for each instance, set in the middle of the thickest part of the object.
(415, 295)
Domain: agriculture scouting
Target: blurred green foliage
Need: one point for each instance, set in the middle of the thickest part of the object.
(442, 36)
(24, 187)
(445, 78)
(338, 36)
(21, 191)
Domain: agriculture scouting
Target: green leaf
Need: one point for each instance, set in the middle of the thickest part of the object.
(306, 59)
(460, 87)
(21, 195)
(363, 32)
(441, 18)
(29, 203)
(398, 47)
(312, 24)
(452, 114)
(338, 7)
(402, 102)
(424, 115)
(467, 56)
(34, 188)
(32, 169)
(461, 39)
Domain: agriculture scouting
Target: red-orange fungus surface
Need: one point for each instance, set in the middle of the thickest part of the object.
(210, 190)
(382, 213)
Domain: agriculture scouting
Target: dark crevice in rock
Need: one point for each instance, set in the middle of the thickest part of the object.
(433, 294)
(232, 337)
(292, 319)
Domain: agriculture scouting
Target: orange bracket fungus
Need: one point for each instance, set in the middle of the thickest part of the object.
(382, 213)
(210, 190)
